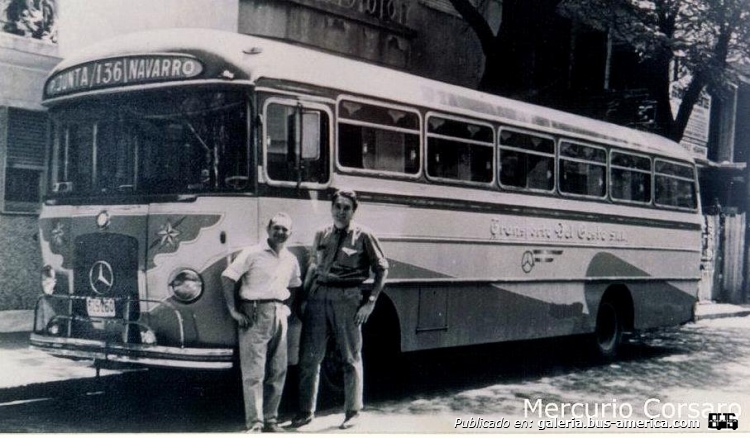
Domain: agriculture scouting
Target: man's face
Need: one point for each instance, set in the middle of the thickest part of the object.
(279, 231)
(342, 211)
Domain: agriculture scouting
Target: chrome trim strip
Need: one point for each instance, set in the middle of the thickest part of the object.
(69, 353)
(171, 363)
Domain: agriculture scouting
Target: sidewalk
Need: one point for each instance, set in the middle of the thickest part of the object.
(24, 367)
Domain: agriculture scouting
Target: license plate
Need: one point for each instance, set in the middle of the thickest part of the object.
(100, 307)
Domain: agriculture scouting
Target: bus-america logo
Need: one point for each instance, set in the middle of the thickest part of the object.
(127, 70)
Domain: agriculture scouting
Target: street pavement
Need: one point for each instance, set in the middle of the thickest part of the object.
(29, 374)
(23, 366)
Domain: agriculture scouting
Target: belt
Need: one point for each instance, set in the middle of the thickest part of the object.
(340, 283)
(270, 300)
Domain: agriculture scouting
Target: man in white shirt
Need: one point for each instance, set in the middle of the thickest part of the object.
(267, 271)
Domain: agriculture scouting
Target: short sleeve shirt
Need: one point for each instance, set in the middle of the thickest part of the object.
(347, 255)
(265, 275)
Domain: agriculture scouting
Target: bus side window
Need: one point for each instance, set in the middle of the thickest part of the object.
(630, 177)
(459, 150)
(526, 161)
(378, 138)
(674, 185)
(289, 129)
(583, 170)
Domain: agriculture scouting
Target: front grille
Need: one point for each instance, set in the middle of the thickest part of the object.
(106, 272)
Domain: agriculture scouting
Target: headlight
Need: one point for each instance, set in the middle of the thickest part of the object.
(49, 279)
(54, 328)
(148, 336)
(186, 286)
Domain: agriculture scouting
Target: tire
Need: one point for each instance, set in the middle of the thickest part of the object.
(608, 332)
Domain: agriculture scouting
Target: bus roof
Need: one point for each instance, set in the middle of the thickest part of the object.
(262, 58)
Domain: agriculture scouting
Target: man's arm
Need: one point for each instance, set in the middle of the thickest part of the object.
(227, 285)
(379, 265)
(366, 309)
(312, 264)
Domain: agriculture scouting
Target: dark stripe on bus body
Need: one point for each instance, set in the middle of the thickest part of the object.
(477, 207)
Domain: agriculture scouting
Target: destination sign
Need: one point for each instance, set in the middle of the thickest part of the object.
(126, 70)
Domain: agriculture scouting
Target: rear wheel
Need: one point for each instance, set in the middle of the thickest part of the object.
(608, 333)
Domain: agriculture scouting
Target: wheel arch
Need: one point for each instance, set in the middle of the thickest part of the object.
(383, 328)
(621, 296)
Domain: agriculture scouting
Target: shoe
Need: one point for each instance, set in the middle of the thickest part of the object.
(273, 427)
(255, 428)
(302, 419)
(350, 420)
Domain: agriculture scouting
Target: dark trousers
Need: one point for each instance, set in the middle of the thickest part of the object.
(330, 311)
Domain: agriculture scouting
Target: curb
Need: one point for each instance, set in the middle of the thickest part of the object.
(16, 321)
(723, 315)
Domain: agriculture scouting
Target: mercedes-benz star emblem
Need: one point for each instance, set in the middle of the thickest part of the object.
(101, 277)
(527, 261)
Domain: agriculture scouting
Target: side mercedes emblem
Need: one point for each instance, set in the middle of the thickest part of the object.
(101, 277)
(527, 261)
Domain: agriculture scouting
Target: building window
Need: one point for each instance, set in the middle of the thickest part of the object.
(583, 170)
(24, 162)
(29, 18)
(458, 150)
(378, 138)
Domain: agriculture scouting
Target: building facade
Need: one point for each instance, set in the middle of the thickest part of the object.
(28, 50)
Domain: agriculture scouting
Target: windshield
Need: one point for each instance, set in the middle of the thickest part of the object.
(161, 142)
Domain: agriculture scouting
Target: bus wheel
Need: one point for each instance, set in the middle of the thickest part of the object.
(608, 333)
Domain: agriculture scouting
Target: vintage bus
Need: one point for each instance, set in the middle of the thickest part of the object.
(171, 149)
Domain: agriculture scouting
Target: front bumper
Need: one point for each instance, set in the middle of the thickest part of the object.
(115, 344)
(147, 355)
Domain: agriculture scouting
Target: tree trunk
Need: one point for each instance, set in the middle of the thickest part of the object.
(689, 99)
(659, 89)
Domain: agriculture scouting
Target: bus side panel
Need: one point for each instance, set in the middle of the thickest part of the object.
(441, 316)
(663, 304)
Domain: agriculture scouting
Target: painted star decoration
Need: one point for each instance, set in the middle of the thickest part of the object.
(168, 235)
(58, 234)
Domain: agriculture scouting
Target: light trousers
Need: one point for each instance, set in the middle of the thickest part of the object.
(263, 360)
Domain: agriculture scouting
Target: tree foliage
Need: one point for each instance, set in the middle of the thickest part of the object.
(705, 38)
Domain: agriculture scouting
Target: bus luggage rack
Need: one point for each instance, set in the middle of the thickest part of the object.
(60, 324)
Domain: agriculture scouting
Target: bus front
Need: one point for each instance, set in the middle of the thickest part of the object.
(150, 189)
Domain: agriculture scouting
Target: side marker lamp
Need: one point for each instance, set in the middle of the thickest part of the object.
(49, 279)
